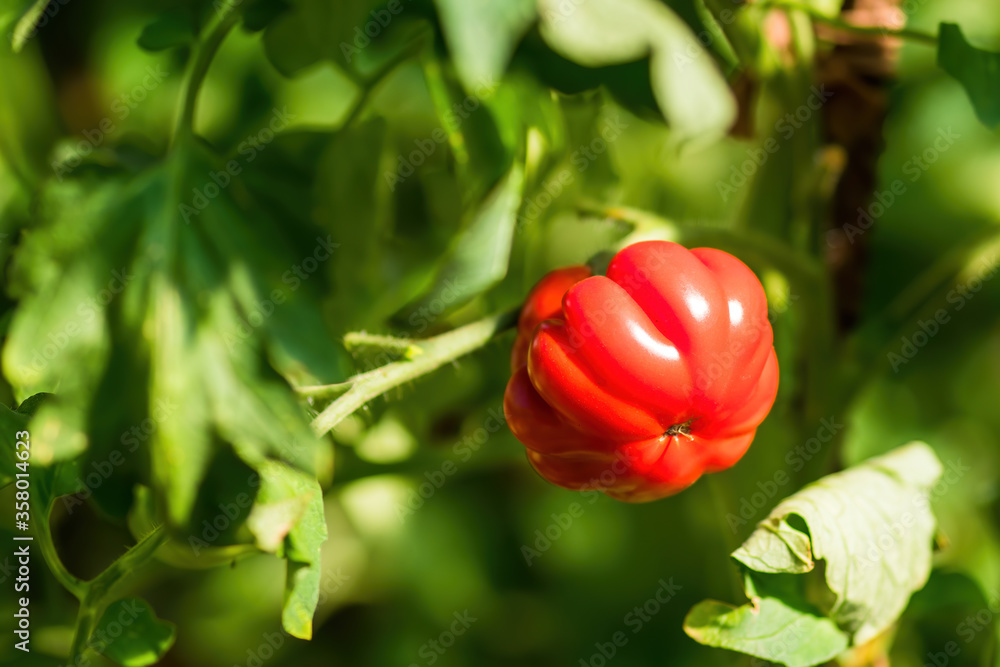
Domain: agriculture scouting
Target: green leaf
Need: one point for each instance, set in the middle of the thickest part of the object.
(288, 518)
(62, 479)
(260, 13)
(315, 30)
(977, 70)
(30, 405)
(203, 315)
(770, 629)
(476, 144)
(24, 16)
(136, 636)
(169, 30)
(272, 522)
(182, 447)
(287, 44)
(777, 548)
(481, 254)
(689, 88)
(873, 527)
(349, 187)
(58, 339)
(833, 565)
(10, 423)
(482, 35)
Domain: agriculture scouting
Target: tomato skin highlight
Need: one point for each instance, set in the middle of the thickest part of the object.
(637, 382)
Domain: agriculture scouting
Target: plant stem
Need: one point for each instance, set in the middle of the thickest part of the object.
(357, 339)
(77, 587)
(215, 32)
(97, 590)
(834, 22)
(436, 352)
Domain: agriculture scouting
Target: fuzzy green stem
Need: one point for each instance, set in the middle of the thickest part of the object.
(357, 339)
(436, 352)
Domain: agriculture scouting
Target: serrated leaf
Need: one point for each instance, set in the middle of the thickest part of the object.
(480, 256)
(976, 69)
(690, 90)
(201, 312)
(167, 31)
(136, 637)
(482, 35)
(284, 492)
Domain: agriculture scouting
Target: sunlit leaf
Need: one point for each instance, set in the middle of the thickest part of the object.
(289, 513)
(869, 527)
(482, 35)
(689, 88)
(135, 637)
(772, 629)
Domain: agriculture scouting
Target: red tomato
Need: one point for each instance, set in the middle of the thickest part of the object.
(637, 382)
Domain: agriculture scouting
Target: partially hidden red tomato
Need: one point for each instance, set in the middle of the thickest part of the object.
(637, 382)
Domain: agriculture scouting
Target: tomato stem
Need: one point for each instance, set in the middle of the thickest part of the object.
(435, 352)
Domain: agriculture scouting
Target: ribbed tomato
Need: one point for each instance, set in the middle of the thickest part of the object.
(638, 381)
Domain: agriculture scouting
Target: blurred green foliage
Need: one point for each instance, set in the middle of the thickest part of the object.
(410, 166)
